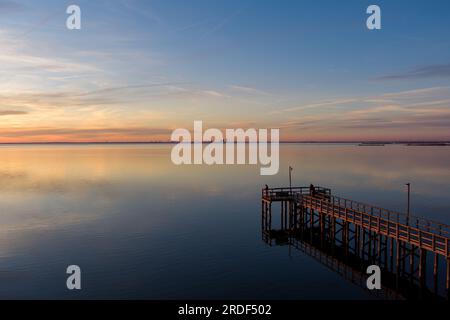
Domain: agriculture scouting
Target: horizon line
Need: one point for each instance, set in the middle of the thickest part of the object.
(367, 142)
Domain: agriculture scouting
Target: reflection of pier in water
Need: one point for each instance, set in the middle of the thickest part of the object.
(348, 236)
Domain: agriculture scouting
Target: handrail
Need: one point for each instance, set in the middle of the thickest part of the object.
(293, 191)
(394, 229)
(425, 223)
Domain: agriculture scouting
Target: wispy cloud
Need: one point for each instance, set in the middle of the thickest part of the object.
(8, 6)
(135, 8)
(41, 64)
(317, 105)
(12, 112)
(412, 112)
(417, 93)
(213, 93)
(83, 134)
(248, 90)
(224, 21)
(24, 67)
(429, 71)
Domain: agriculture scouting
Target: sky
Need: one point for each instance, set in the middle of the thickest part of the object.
(139, 69)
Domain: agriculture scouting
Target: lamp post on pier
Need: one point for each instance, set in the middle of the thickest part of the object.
(290, 179)
(409, 203)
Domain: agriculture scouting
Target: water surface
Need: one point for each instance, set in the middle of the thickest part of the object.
(141, 227)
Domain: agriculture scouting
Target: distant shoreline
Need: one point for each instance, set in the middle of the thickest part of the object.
(359, 143)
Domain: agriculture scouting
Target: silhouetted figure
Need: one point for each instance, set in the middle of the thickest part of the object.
(312, 190)
(267, 190)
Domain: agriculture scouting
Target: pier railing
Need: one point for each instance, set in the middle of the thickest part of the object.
(292, 192)
(414, 221)
(381, 223)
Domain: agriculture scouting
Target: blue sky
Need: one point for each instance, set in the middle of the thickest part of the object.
(139, 69)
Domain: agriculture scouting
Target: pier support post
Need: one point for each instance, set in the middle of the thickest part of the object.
(305, 217)
(333, 229)
(379, 238)
(322, 227)
(286, 207)
(363, 243)
(435, 272)
(397, 256)
(330, 237)
(447, 278)
(283, 226)
(391, 255)
(412, 253)
(422, 267)
(270, 214)
(345, 236)
(356, 240)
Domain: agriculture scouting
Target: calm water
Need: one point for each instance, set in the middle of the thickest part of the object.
(140, 227)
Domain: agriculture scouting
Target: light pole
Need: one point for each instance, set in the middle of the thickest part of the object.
(409, 203)
(290, 178)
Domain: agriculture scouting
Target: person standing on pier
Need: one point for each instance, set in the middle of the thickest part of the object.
(312, 190)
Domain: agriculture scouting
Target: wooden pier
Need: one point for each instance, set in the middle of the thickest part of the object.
(398, 244)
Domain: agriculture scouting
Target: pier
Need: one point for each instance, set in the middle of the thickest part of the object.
(412, 252)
